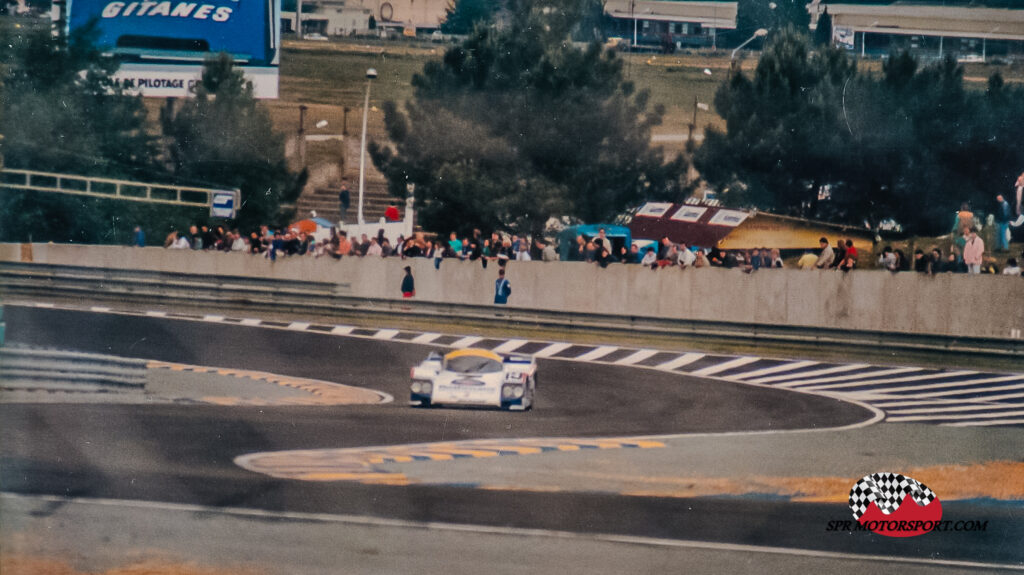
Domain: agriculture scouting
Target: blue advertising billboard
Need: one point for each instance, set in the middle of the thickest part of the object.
(162, 44)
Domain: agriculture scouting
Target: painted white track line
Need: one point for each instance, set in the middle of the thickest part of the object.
(933, 397)
(517, 532)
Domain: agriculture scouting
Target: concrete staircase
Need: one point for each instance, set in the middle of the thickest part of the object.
(321, 194)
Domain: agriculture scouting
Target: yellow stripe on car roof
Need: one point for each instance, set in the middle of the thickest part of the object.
(473, 352)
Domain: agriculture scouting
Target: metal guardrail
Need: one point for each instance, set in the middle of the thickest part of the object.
(328, 301)
(107, 188)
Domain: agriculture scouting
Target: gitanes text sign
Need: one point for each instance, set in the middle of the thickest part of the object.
(164, 43)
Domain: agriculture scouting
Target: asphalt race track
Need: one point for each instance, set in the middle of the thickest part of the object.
(185, 453)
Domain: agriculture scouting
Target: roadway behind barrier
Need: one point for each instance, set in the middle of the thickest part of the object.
(948, 306)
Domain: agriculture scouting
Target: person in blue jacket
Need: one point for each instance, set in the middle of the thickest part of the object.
(502, 288)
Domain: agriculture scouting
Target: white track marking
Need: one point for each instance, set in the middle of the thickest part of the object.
(517, 532)
(552, 349)
(298, 326)
(685, 359)
(156, 313)
(856, 376)
(100, 309)
(45, 304)
(771, 370)
(597, 353)
(946, 416)
(252, 322)
(510, 346)
(213, 318)
(466, 342)
(426, 338)
(962, 391)
(961, 382)
(386, 334)
(636, 357)
(712, 370)
(954, 408)
(1018, 421)
(940, 375)
(816, 372)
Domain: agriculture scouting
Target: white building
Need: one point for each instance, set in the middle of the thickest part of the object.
(330, 18)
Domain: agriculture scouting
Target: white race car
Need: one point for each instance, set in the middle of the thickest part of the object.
(475, 377)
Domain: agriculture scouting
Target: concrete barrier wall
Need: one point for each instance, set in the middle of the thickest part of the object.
(948, 304)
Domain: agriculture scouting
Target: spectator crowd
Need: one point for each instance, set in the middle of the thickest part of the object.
(964, 256)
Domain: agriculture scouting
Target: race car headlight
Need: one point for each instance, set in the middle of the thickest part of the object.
(424, 387)
(512, 391)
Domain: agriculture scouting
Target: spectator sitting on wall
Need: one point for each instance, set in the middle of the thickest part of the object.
(840, 251)
(686, 256)
(344, 245)
(808, 261)
(920, 262)
(702, 260)
(171, 238)
(775, 259)
(650, 258)
(849, 260)
(391, 213)
(754, 261)
(577, 250)
(180, 242)
(827, 255)
(549, 253)
(634, 254)
(888, 259)
(1012, 269)
(523, 255)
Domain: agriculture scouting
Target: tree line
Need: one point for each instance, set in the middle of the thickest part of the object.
(516, 125)
(63, 112)
(812, 134)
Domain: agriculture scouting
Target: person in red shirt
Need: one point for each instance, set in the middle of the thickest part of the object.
(850, 259)
(391, 214)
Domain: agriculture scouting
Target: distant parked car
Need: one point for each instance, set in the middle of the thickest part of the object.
(436, 36)
(315, 37)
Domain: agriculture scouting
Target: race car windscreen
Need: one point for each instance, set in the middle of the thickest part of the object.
(472, 364)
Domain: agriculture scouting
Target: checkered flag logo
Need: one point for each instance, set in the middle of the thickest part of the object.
(887, 491)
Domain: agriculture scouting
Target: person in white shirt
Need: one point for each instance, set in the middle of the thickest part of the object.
(650, 258)
(181, 243)
(686, 256)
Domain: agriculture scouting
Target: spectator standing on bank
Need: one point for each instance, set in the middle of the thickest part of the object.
(974, 248)
(502, 288)
(344, 201)
(139, 238)
(1002, 224)
(826, 257)
(408, 284)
